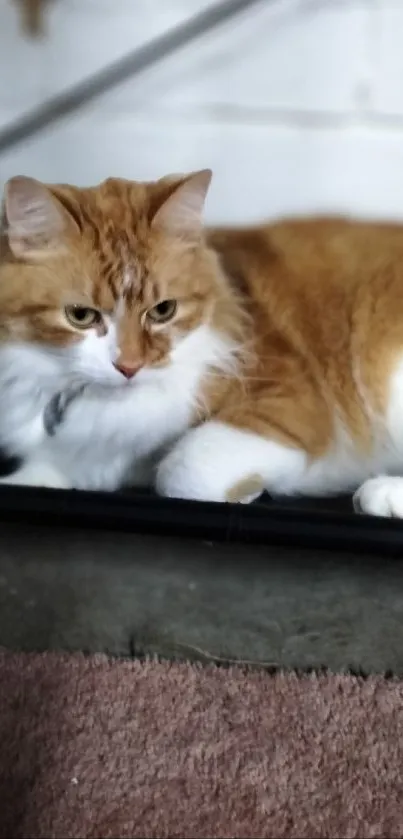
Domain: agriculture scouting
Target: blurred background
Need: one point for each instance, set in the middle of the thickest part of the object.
(296, 105)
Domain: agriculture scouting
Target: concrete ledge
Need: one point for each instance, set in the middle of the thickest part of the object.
(135, 595)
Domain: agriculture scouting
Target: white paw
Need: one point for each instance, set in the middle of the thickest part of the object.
(213, 463)
(381, 496)
(176, 480)
(180, 475)
(37, 474)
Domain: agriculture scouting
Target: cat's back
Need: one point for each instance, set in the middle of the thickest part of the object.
(317, 253)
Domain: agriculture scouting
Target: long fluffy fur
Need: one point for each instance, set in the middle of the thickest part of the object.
(282, 369)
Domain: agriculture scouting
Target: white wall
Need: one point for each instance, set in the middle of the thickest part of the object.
(297, 106)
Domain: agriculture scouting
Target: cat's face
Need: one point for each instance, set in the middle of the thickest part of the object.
(114, 283)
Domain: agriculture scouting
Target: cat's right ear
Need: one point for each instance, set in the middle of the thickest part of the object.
(34, 222)
(181, 213)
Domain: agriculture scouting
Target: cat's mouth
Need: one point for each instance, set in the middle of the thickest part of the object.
(115, 381)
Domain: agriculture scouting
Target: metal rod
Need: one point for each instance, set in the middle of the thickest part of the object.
(130, 65)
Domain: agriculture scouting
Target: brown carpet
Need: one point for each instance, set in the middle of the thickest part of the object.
(96, 748)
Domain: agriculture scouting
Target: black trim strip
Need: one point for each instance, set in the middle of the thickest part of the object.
(264, 523)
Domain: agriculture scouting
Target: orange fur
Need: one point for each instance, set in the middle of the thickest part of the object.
(326, 302)
(310, 303)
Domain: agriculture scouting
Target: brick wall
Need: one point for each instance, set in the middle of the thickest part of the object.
(297, 106)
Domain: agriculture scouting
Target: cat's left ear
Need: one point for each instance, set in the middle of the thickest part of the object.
(35, 222)
(182, 213)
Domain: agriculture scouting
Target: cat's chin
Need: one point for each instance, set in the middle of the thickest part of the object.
(112, 385)
(117, 383)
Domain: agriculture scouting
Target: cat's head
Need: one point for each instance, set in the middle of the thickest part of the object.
(115, 281)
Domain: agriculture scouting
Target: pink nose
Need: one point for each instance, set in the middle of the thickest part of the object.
(128, 370)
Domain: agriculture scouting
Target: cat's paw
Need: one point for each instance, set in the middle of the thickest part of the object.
(212, 463)
(37, 474)
(175, 481)
(382, 496)
(179, 475)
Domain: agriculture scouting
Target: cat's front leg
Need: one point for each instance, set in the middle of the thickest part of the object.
(381, 496)
(217, 462)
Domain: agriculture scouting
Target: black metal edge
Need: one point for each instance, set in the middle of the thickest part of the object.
(259, 523)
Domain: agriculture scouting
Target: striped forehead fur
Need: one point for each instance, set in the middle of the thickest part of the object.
(115, 258)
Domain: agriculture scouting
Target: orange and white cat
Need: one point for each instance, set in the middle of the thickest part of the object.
(212, 363)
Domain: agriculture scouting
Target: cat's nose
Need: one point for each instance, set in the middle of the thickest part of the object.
(127, 370)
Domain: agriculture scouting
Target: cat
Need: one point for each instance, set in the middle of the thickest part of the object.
(137, 347)
(107, 293)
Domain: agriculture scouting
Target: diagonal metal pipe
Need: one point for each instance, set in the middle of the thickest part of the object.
(130, 65)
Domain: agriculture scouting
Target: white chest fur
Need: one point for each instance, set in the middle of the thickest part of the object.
(106, 430)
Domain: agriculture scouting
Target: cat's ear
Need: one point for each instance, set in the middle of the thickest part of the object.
(182, 213)
(34, 222)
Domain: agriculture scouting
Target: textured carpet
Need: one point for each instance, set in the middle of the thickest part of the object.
(96, 748)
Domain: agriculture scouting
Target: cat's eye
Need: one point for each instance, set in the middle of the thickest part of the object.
(163, 311)
(82, 317)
